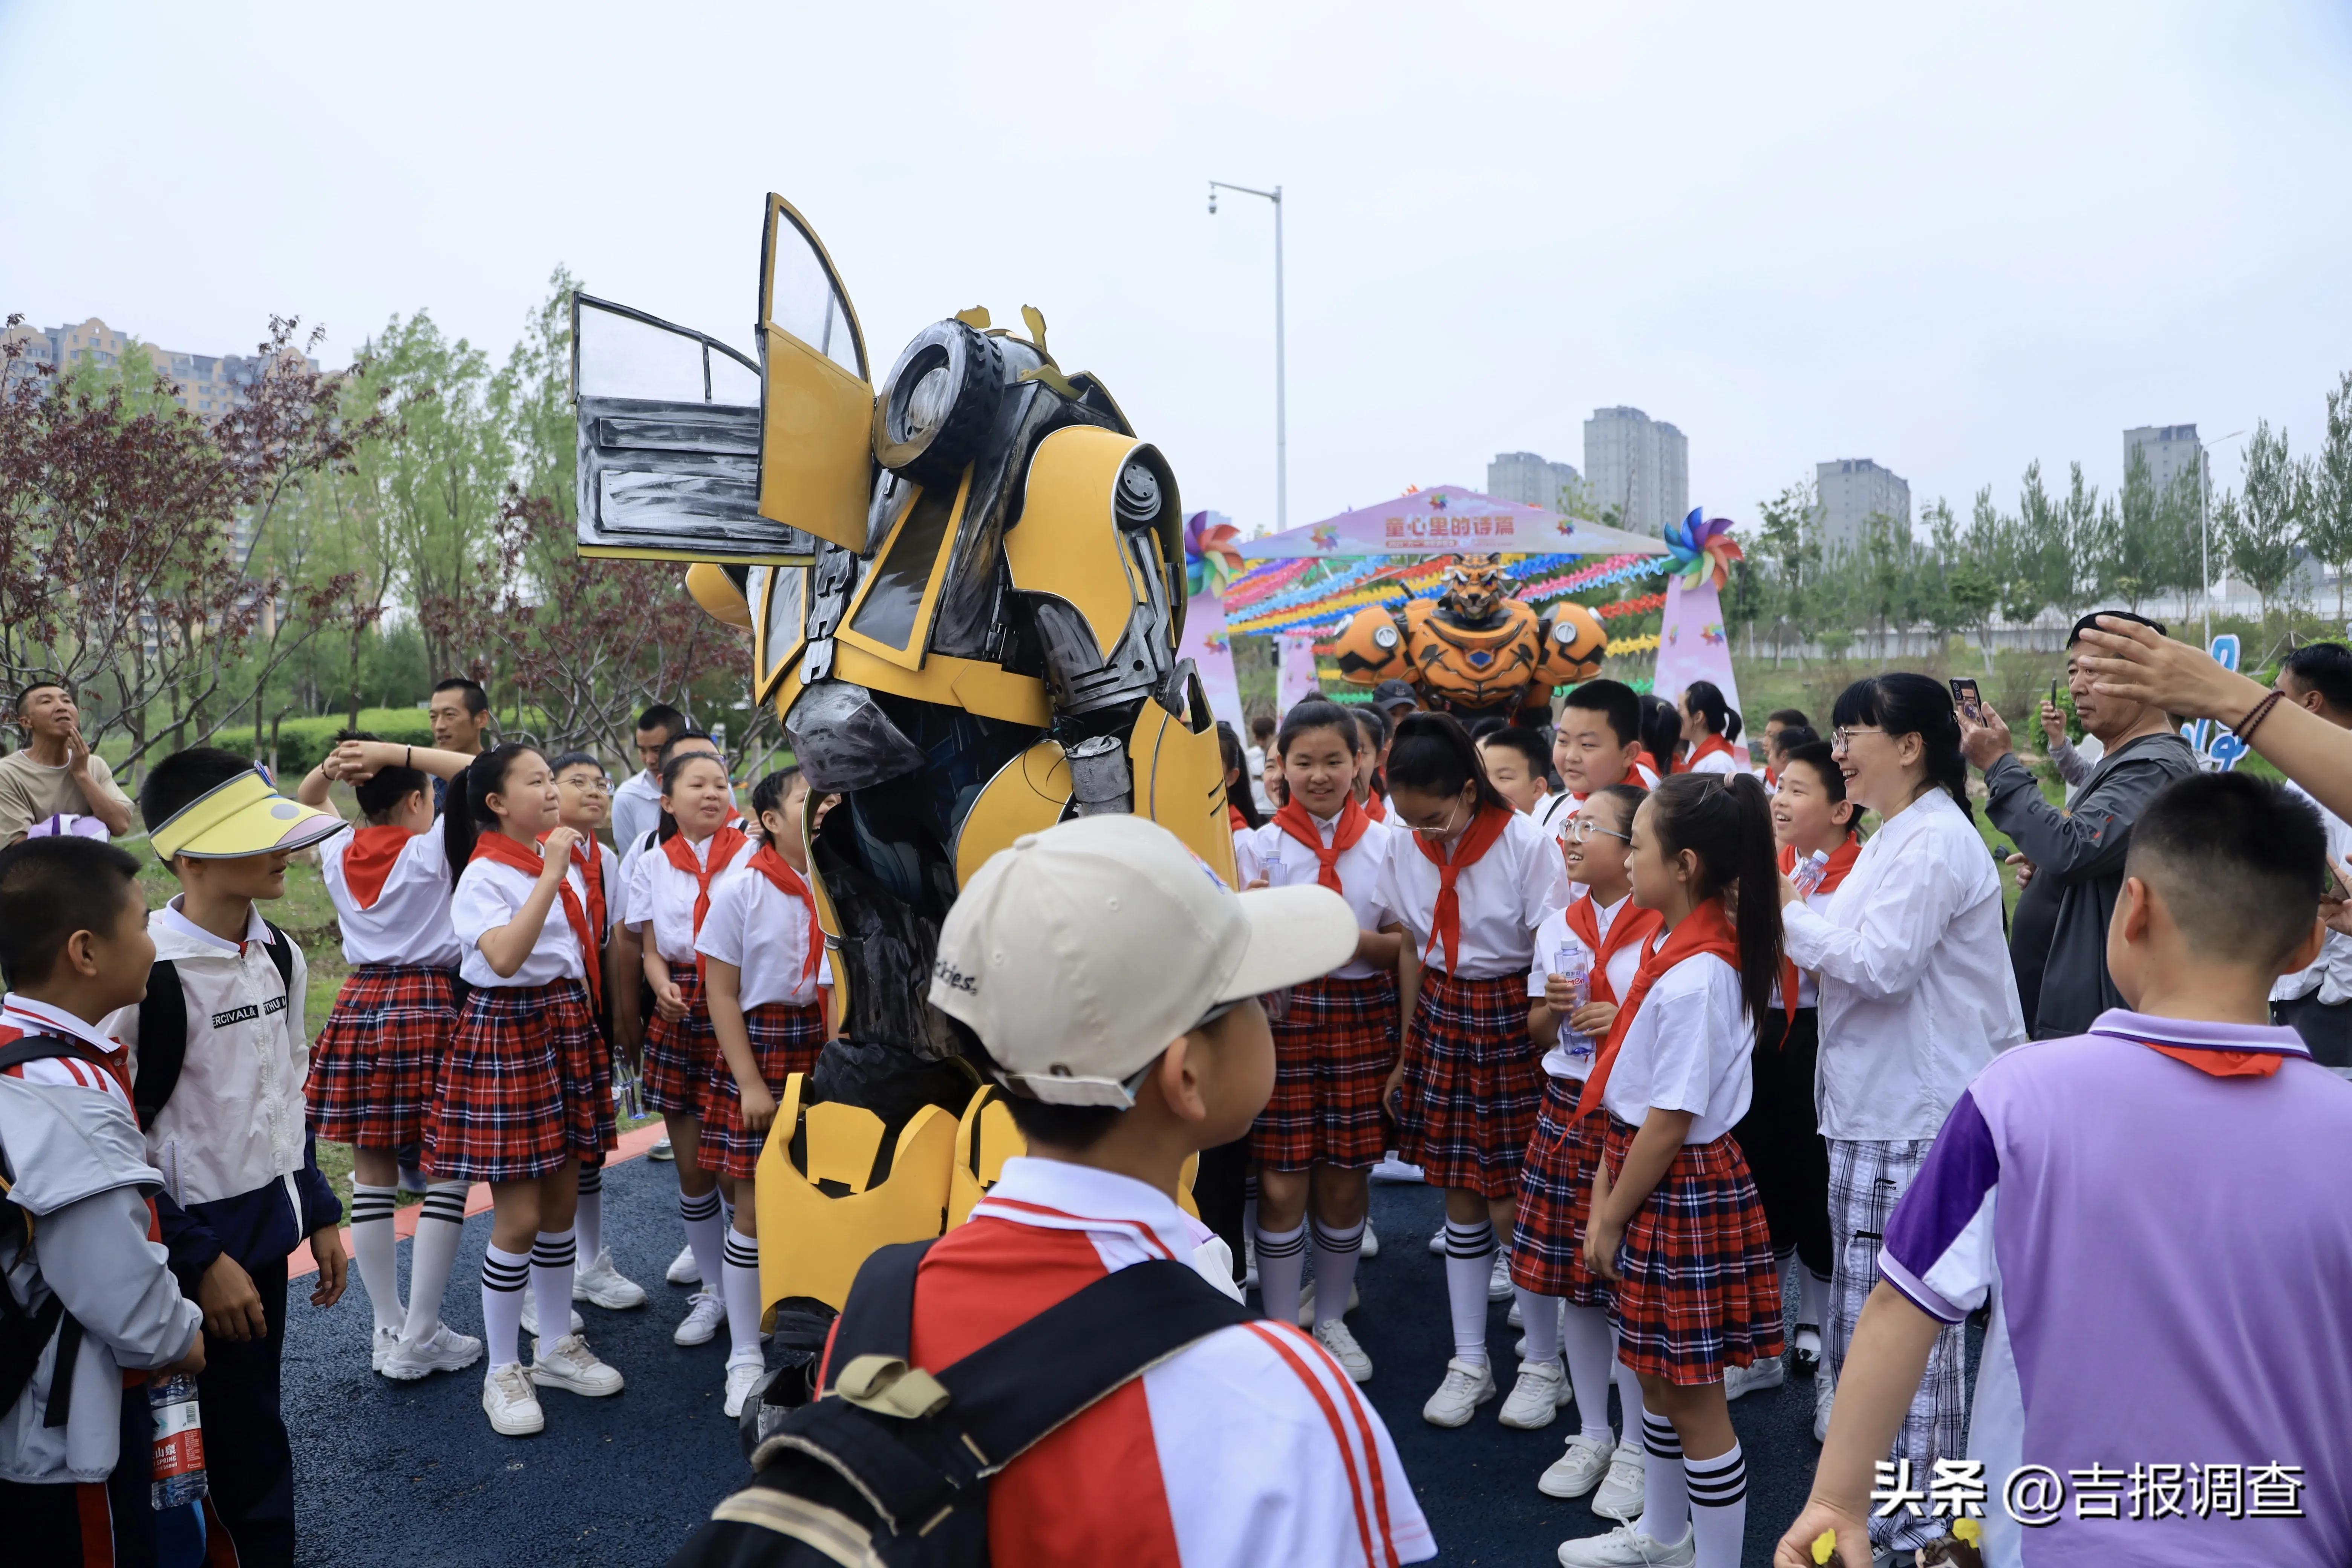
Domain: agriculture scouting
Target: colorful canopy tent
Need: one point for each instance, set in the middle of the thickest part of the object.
(1448, 520)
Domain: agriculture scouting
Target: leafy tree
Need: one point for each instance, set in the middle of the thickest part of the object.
(2140, 555)
(2266, 529)
(1789, 549)
(2327, 527)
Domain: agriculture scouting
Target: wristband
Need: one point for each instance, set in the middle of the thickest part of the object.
(2245, 727)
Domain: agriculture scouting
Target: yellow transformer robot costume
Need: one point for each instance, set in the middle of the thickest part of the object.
(965, 589)
(1474, 652)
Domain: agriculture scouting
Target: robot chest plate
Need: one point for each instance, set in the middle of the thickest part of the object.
(1475, 665)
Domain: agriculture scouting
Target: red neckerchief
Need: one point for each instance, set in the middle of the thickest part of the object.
(1705, 928)
(792, 885)
(1374, 808)
(1445, 917)
(1352, 823)
(1700, 753)
(498, 846)
(1841, 861)
(1772, 777)
(585, 855)
(367, 861)
(723, 845)
(1234, 819)
(1632, 924)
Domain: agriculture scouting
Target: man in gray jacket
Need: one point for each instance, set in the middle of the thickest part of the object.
(2074, 872)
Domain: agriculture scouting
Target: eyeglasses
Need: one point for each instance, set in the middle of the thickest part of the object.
(1579, 828)
(1447, 827)
(1843, 739)
(588, 786)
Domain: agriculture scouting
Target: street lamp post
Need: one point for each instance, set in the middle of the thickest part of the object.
(1281, 432)
(2204, 524)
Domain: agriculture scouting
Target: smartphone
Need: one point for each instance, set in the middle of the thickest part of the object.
(1964, 694)
(2054, 694)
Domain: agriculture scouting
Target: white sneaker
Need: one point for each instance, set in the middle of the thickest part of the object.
(1619, 1496)
(683, 1268)
(1538, 1395)
(1625, 1548)
(1519, 1347)
(703, 1312)
(606, 1286)
(1307, 1302)
(1825, 1393)
(570, 1363)
(1371, 1247)
(742, 1377)
(1249, 1262)
(1334, 1336)
(531, 1314)
(511, 1403)
(1392, 1169)
(1499, 1281)
(381, 1347)
(445, 1349)
(1467, 1385)
(1579, 1470)
(1515, 1317)
(1437, 1241)
(1765, 1372)
(661, 1151)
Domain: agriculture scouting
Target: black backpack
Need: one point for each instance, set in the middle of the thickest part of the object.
(24, 1335)
(164, 1025)
(890, 1468)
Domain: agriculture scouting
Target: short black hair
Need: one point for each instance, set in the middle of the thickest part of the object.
(1792, 736)
(680, 738)
(2326, 667)
(770, 792)
(1072, 1127)
(663, 717)
(52, 888)
(577, 760)
(2090, 623)
(1527, 742)
(25, 693)
(2249, 856)
(477, 702)
(1616, 701)
(1815, 754)
(183, 777)
(1262, 728)
(1788, 716)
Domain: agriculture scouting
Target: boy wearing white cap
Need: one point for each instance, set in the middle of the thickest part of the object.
(1113, 979)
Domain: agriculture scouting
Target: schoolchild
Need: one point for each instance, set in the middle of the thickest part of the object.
(1596, 742)
(527, 1093)
(1775, 748)
(768, 983)
(1517, 761)
(218, 1057)
(1373, 738)
(1709, 727)
(77, 1231)
(1563, 1304)
(1242, 813)
(375, 1067)
(1320, 1133)
(670, 897)
(1662, 735)
(1676, 1225)
(1467, 889)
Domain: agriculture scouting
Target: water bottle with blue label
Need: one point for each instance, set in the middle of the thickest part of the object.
(1573, 962)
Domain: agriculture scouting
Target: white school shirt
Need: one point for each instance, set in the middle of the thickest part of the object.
(636, 806)
(663, 896)
(1503, 896)
(1550, 937)
(1687, 1050)
(489, 896)
(2328, 976)
(1285, 862)
(1717, 762)
(1808, 989)
(1916, 992)
(763, 931)
(409, 921)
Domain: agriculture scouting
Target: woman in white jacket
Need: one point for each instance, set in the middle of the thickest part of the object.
(1916, 994)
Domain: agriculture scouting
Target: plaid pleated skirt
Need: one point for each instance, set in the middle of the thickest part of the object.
(1332, 1054)
(1556, 1199)
(377, 1063)
(784, 1040)
(1697, 1289)
(681, 1052)
(527, 1085)
(1471, 1083)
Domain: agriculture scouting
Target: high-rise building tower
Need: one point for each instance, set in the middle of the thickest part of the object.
(1638, 466)
(1849, 491)
(1527, 477)
(2171, 451)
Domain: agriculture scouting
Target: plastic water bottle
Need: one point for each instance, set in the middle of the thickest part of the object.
(1809, 872)
(179, 1441)
(628, 1090)
(1573, 963)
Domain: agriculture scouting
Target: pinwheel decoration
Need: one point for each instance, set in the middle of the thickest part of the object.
(1701, 548)
(1210, 558)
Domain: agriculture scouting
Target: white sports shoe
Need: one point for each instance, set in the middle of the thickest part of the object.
(600, 1282)
(1467, 1385)
(1805, 1351)
(742, 1377)
(1371, 1247)
(1249, 1262)
(1307, 1303)
(683, 1268)
(1824, 1393)
(381, 1347)
(1619, 1496)
(1538, 1395)
(511, 1403)
(1437, 1241)
(1625, 1548)
(1392, 1169)
(1498, 1282)
(661, 1151)
(1767, 1373)
(445, 1349)
(705, 1311)
(1515, 1317)
(1579, 1470)
(531, 1314)
(570, 1363)
(1334, 1336)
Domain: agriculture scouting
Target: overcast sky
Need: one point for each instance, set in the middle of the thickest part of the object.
(1950, 238)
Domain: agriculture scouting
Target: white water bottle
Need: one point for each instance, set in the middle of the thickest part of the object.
(1810, 871)
(1572, 962)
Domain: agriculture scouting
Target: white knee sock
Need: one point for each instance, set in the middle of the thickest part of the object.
(589, 1220)
(553, 1258)
(1812, 1297)
(1665, 1493)
(504, 1275)
(1719, 1505)
(1281, 1263)
(1630, 1411)
(1539, 1315)
(703, 1234)
(376, 1250)
(1335, 1252)
(742, 1293)
(440, 1226)
(1584, 1335)
(1469, 1264)
(1249, 1204)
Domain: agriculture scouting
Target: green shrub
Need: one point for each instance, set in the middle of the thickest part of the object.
(303, 743)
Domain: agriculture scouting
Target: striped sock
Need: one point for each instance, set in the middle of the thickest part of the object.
(589, 1219)
(376, 1251)
(504, 1274)
(440, 1226)
(703, 1230)
(1281, 1269)
(1336, 1253)
(1469, 1264)
(741, 1290)
(554, 1257)
(1666, 1496)
(1718, 1497)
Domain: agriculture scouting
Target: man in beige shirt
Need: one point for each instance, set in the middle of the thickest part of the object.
(57, 771)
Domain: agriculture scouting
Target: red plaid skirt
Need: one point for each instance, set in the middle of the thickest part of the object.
(1555, 1200)
(375, 1065)
(1332, 1053)
(1697, 1289)
(784, 1040)
(681, 1057)
(527, 1085)
(1470, 1084)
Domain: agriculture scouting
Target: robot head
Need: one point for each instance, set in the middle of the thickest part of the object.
(1473, 586)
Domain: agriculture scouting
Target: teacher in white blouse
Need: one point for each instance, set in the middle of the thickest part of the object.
(1916, 994)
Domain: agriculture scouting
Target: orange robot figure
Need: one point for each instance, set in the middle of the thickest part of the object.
(1472, 652)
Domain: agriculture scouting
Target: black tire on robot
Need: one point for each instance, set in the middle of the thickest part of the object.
(937, 404)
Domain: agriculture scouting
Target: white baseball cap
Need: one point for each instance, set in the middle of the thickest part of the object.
(1078, 954)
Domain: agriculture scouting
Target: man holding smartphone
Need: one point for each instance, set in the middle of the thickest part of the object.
(2058, 942)
(2316, 1002)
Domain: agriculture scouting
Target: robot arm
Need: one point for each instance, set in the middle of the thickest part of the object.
(1371, 648)
(1572, 643)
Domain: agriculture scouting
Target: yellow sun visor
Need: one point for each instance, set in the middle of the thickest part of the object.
(244, 816)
